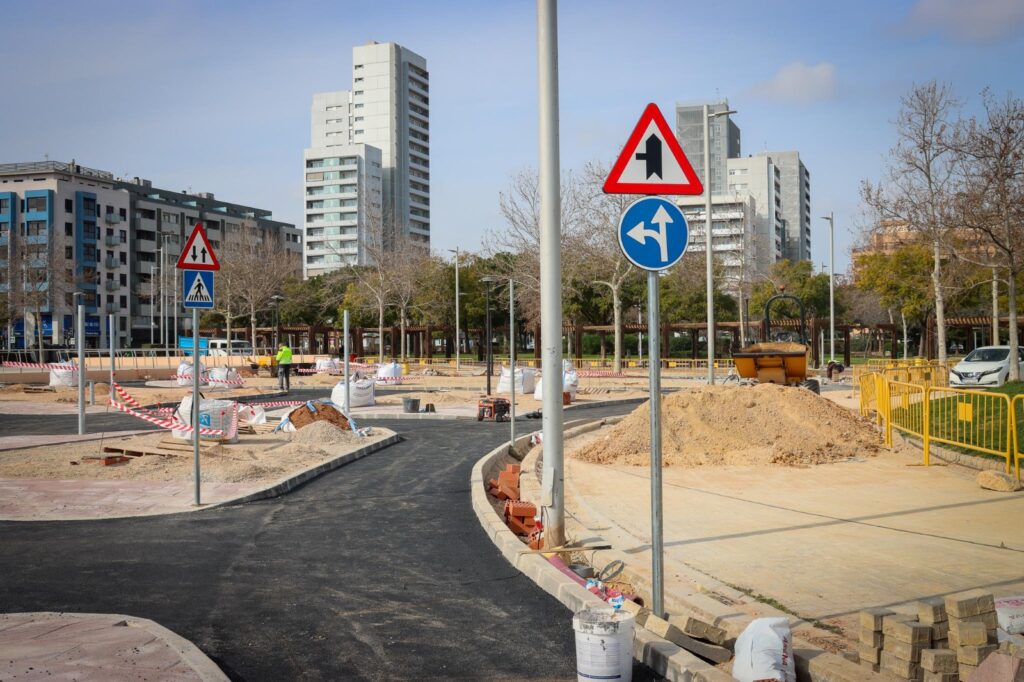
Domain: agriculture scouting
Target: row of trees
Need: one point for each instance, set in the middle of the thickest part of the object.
(954, 188)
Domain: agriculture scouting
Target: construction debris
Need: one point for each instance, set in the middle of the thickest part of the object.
(314, 411)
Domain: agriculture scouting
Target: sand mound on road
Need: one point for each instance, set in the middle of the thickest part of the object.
(738, 425)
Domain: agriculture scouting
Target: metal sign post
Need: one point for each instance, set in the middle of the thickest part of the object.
(348, 394)
(80, 342)
(512, 356)
(195, 397)
(654, 363)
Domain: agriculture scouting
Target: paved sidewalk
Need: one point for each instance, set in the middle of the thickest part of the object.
(89, 647)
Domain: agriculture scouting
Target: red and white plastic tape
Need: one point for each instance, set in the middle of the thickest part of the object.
(277, 403)
(206, 378)
(39, 365)
(172, 424)
(126, 396)
(597, 373)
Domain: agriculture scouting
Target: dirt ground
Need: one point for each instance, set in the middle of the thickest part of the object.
(738, 425)
(261, 458)
(144, 394)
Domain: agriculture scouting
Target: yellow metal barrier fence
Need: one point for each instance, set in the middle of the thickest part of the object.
(905, 410)
(1017, 413)
(868, 383)
(976, 420)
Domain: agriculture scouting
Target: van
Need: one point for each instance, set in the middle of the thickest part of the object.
(219, 348)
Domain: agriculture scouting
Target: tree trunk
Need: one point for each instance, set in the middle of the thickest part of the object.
(252, 326)
(906, 351)
(940, 302)
(995, 309)
(405, 342)
(380, 334)
(617, 312)
(1014, 341)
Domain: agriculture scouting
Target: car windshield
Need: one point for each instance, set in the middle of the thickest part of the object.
(988, 355)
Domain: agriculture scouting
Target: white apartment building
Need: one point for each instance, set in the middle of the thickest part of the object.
(796, 204)
(734, 239)
(759, 177)
(383, 123)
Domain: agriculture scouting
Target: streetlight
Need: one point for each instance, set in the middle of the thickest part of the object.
(80, 344)
(458, 340)
(512, 357)
(488, 280)
(708, 115)
(277, 317)
(831, 290)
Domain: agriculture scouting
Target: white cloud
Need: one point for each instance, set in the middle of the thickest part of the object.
(799, 82)
(975, 21)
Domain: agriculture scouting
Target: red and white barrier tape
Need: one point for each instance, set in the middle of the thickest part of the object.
(277, 403)
(392, 380)
(207, 379)
(597, 373)
(125, 396)
(39, 365)
(173, 424)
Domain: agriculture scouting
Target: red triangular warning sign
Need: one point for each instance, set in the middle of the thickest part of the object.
(198, 254)
(652, 162)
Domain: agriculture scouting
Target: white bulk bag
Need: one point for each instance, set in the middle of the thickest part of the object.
(185, 373)
(222, 375)
(361, 393)
(1010, 614)
(326, 365)
(570, 384)
(525, 379)
(389, 372)
(213, 414)
(252, 414)
(764, 651)
(64, 377)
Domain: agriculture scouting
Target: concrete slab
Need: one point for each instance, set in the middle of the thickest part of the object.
(31, 441)
(97, 647)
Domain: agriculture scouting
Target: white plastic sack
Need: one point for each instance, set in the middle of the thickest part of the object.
(252, 414)
(570, 383)
(213, 414)
(63, 377)
(326, 365)
(389, 372)
(222, 374)
(764, 651)
(1010, 614)
(361, 393)
(525, 379)
(185, 373)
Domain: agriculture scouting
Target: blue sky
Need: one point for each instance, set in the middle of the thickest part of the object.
(214, 96)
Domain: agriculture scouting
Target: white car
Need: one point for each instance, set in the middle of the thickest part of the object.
(985, 366)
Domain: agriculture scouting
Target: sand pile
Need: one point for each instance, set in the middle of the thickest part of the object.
(323, 434)
(738, 425)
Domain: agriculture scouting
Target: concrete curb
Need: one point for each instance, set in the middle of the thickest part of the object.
(190, 654)
(286, 485)
(660, 655)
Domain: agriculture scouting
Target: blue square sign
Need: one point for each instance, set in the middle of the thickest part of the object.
(198, 288)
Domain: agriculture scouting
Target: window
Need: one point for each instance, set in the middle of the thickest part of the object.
(35, 228)
(69, 252)
(359, 132)
(359, 105)
(68, 230)
(122, 236)
(357, 80)
(357, 67)
(123, 279)
(359, 118)
(36, 203)
(124, 304)
(357, 92)
(170, 218)
(123, 212)
(334, 107)
(123, 257)
(69, 206)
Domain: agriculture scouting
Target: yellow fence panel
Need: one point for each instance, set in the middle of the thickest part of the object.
(1017, 430)
(904, 410)
(974, 420)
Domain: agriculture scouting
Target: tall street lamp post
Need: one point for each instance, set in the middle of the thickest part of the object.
(458, 340)
(708, 241)
(831, 288)
(487, 328)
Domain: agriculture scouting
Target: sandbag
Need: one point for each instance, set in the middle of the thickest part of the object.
(213, 414)
(64, 377)
(362, 393)
(185, 373)
(525, 380)
(1010, 614)
(764, 651)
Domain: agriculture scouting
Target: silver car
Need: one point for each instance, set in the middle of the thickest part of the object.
(985, 366)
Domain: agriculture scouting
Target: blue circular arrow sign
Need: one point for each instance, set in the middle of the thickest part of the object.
(653, 233)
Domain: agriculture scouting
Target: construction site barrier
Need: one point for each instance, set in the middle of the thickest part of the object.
(1017, 410)
(905, 410)
(867, 383)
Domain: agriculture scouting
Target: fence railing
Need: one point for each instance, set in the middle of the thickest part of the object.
(974, 421)
(723, 364)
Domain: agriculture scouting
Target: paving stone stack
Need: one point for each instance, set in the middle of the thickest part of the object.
(871, 640)
(904, 638)
(972, 628)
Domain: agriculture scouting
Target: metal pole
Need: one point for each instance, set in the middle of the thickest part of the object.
(111, 323)
(487, 331)
(708, 244)
(657, 532)
(512, 354)
(152, 305)
(831, 291)
(80, 343)
(174, 314)
(458, 301)
(550, 267)
(344, 328)
(195, 399)
(995, 309)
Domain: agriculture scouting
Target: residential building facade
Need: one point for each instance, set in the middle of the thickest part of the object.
(383, 123)
(734, 239)
(796, 203)
(66, 229)
(762, 180)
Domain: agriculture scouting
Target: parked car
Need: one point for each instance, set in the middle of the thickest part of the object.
(219, 347)
(985, 366)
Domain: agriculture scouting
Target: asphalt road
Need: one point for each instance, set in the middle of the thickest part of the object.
(378, 570)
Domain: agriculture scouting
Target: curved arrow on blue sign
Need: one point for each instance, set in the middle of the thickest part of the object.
(653, 233)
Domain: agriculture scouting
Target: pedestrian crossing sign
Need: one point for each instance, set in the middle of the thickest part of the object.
(198, 288)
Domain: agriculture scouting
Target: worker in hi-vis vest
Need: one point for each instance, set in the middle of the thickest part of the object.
(284, 367)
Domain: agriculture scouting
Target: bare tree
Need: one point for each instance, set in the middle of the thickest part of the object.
(404, 267)
(519, 241)
(260, 267)
(919, 184)
(991, 151)
(372, 281)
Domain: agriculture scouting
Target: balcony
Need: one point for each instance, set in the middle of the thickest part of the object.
(112, 285)
(112, 263)
(112, 240)
(113, 307)
(111, 219)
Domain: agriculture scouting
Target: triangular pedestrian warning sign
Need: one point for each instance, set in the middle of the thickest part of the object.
(199, 293)
(198, 254)
(652, 162)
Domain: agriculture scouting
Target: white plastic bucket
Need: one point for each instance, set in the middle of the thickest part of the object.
(604, 644)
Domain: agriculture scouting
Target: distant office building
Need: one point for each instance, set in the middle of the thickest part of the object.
(734, 239)
(725, 141)
(796, 204)
(66, 228)
(762, 180)
(384, 119)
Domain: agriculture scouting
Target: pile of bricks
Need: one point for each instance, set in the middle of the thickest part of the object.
(519, 516)
(946, 641)
(506, 486)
